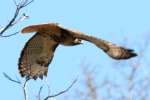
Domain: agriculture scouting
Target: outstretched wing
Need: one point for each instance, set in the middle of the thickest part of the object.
(36, 56)
(113, 50)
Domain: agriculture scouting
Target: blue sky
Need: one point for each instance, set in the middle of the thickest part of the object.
(125, 22)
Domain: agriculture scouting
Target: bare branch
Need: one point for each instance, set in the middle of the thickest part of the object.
(18, 82)
(48, 87)
(13, 21)
(62, 92)
(22, 18)
(9, 78)
(39, 93)
(90, 82)
(24, 89)
(9, 35)
(27, 3)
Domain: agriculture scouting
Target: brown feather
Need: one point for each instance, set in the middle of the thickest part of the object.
(36, 56)
(113, 50)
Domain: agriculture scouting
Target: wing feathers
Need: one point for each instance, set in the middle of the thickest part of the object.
(39, 50)
(36, 56)
(114, 51)
(53, 27)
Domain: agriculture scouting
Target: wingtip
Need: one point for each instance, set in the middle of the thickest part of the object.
(131, 54)
(126, 54)
(28, 29)
(37, 27)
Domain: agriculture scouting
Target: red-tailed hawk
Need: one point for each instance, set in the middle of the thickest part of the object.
(39, 50)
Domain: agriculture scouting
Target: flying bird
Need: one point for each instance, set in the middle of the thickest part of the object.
(38, 52)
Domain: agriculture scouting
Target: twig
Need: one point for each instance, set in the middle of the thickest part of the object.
(13, 21)
(27, 3)
(39, 93)
(18, 82)
(89, 82)
(9, 35)
(57, 94)
(9, 78)
(48, 87)
(24, 89)
(23, 17)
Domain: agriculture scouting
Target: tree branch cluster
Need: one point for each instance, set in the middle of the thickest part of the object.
(14, 20)
(40, 90)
